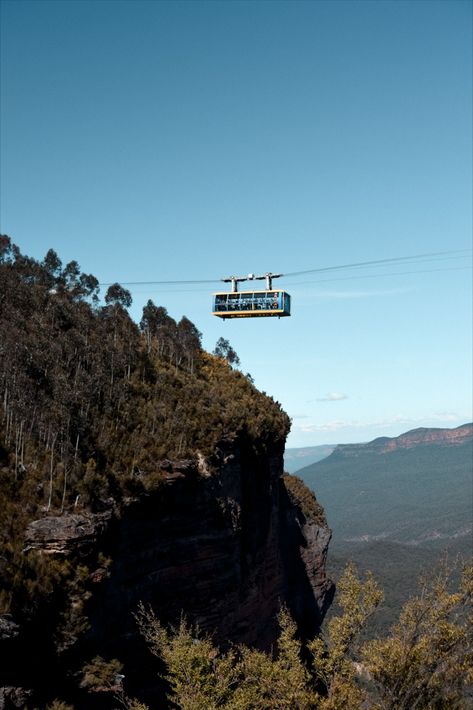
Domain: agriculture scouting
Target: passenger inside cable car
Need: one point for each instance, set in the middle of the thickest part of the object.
(251, 304)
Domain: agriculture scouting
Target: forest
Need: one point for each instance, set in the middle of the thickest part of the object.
(93, 408)
(424, 662)
(92, 402)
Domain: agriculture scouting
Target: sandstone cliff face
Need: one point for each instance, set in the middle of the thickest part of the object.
(225, 548)
(221, 549)
(416, 437)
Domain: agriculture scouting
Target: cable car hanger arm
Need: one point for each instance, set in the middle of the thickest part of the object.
(268, 277)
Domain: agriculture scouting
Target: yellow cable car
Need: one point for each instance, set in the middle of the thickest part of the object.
(252, 304)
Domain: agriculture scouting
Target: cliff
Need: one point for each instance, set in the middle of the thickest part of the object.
(410, 439)
(134, 467)
(225, 548)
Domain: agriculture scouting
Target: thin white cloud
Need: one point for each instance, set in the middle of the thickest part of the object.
(332, 426)
(332, 397)
(398, 419)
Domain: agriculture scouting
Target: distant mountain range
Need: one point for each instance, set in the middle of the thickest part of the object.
(295, 459)
(409, 440)
(394, 504)
(411, 489)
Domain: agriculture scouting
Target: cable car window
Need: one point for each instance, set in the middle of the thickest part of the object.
(247, 304)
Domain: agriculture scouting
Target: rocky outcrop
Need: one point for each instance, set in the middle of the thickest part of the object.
(415, 437)
(220, 541)
(221, 549)
(67, 534)
(8, 629)
(14, 697)
(308, 591)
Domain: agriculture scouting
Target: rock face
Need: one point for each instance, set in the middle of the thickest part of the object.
(67, 534)
(225, 548)
(415, 437)
(222, 549)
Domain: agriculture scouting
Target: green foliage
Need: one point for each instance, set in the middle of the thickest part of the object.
(334, 654)
(203, 678)
(90, 405)
(405, 496)
(396, 567)
(133, 704)
(37, 580)
(305, 499)
(395, 513)
(200, 677)
(118, 296)
(425, 662)
(100, 674)
(59, 705)
(280, 682)
(224, 350)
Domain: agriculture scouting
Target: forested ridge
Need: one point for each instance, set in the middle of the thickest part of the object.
(91, 403)
(94, 410)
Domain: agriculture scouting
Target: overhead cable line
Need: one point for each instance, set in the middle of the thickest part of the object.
(335, 279)
(414, 258)
(399, 259)
(379, 275)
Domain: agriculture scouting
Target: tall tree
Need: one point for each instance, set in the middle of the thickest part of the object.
(225, 350)
(189, 338)
(118, 296)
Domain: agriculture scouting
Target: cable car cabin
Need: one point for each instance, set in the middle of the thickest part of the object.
(251, 304)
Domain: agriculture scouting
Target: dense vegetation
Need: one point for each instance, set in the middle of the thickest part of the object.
(395, 514)
(303, 498)
(92, 406)
(408, 496)
(91, 403)
(425, 662)
(397, 567)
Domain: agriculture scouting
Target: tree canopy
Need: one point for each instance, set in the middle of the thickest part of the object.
(425, 662)
(224, 349)
(90, 403)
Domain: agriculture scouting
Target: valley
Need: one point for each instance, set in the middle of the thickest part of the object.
(397, 507)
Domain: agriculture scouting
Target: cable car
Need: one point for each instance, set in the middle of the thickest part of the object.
(252, 304)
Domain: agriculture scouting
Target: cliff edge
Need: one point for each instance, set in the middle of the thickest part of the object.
(134, 467)
(423, 436)
(225, 549)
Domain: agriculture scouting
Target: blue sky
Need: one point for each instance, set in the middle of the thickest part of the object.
(158, 141)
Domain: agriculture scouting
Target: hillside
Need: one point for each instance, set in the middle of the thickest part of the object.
(297, 458)
(395, 505)
(134, 467)
(387, 490)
